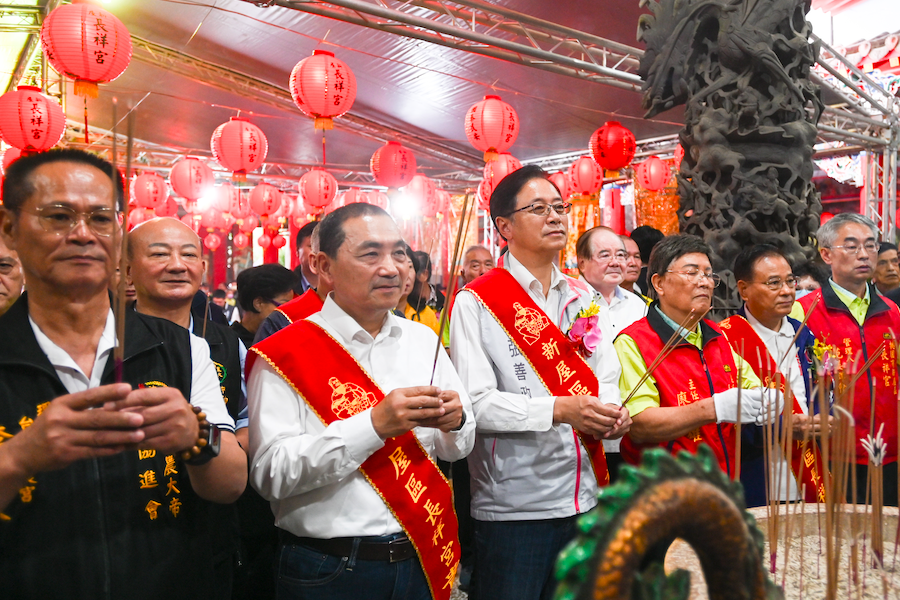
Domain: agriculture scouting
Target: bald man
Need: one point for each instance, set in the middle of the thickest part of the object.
(11, 278)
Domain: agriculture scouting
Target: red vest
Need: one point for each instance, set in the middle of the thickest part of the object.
(834, 326)
(687, 375)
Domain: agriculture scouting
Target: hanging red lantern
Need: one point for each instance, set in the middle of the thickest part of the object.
(9, 156)
(585, 177)
(613, 146)
(483, 197)
(211, 218)
(240, 240)
(439, 204)
(191, 221)
(351, 196)
(323, 87)
(264, 241)
(212, 241)
(229, 220)
(248, 224)
(492, 126)
(31, 121)
(86, 43)
(222, 197)
(149, 190)
(653, 174)
(497, 169)
(561, 182)
(279, 241)
(422, 189)
(139, 215)
(679, 156)
(169, 208)
(191, 178)
(239, 146)
(240, 207)
(376, 198)
(392, 165)
(265, 199)
(318, 188)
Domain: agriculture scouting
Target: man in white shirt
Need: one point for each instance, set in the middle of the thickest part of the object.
(767, 284)
(532, 470)
(602, 257)
(94, 490)
(350, 498)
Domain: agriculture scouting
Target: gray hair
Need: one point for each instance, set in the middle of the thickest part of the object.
(473, 248)
(827, 233)
(314, 241)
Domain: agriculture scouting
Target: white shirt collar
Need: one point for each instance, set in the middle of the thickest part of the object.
(529, 281)
(784, 330)
(347, 329)
(60, 359)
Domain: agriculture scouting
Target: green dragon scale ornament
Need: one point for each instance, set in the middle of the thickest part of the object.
(621, 544)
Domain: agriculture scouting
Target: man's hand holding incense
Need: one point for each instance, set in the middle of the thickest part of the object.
(589, 415)
(407, 408)
(169, 423)
(623, 424)
(811, 426)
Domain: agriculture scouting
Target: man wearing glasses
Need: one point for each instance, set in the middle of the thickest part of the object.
(769, 342)
(543, 386)
(96, 496)
(691, 397)
(853, 321)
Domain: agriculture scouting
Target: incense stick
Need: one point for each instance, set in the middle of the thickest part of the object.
(666, 349)
(737, 425)
(119, 352)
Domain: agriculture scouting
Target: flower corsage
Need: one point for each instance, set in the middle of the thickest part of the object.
(585, 332)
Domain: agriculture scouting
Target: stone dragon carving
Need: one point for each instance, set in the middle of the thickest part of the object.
(741, 68)
(621, 544)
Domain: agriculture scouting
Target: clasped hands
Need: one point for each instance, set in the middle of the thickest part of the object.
(424, 406)
(590, 416)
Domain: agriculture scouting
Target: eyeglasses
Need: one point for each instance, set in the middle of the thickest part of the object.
(775, 284)
(606, 256)
(60, 220)
(695, 276)
(871, 247)
(539, 209)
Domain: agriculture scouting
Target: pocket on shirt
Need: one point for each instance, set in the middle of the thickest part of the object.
(299, 566)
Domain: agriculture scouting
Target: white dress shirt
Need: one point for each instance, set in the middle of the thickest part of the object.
(205, 390)
(523, 466)
(779, 344)
(625, 308)
(309, 471)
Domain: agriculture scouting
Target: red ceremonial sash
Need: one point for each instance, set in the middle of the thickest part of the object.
(555, 360)
(805, 461)
(302, 306)
(335, 386)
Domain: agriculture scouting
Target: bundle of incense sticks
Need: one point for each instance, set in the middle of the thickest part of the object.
(666, 350)
(121, 243)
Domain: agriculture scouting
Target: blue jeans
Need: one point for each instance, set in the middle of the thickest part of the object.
(307, 574)
(514, 560)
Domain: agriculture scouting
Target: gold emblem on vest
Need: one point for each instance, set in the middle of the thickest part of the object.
(348, 399)
(530, 322)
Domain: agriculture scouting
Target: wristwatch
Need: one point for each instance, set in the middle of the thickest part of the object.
(209, 447)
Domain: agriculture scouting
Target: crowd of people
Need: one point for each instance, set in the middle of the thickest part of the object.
(298, 443)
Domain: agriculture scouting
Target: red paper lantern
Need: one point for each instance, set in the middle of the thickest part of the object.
(9, 156)
(653, 174)
(212, 241)
(29, 120)
(191, 178)
(679, 156)
(351, 196)
(239, 146)
(240, 207)
(439, 204)
(422, 189)
(191, 221)
(211, 218)
(265, 199)
(264, 241)
(323, 87)
(169, 208)
(240, 240)
(497, 169)
(279, 241)
(86, 43)
(318, 188)
(149, 190)
(248, 224)
(561, 182)
(483, 197)
(392, 165)
(376, 198)
(613, 146)
(492, 126)
(585, 177)
(139, 215)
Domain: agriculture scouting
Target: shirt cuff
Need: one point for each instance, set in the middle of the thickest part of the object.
(360, 436)
(540, 413)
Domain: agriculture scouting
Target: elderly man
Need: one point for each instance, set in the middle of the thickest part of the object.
(886, 276)
(11, 278)
(692, 396)
(344, 424)
(97, 499)
(852, 320)
(542, 405)
(476, 261)
(307, 278)
(763, 334)
(632, 270)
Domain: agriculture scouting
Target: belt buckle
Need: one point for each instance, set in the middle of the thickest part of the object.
(394, 551)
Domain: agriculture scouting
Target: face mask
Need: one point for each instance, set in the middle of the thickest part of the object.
(800, 293)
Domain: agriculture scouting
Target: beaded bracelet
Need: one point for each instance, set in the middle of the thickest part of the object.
(202, 436)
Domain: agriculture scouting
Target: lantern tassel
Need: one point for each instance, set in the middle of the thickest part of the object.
(323, 123)
(86, 140)
(490, 155)
(86, 89)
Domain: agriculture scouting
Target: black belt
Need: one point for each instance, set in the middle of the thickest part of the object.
(388, 551)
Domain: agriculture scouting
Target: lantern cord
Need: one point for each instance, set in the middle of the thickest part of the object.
(324, 161)
(86, 140)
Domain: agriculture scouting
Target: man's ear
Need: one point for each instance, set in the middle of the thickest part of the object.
(325, 268)
(825, 253)
(656, 282)
(504, 227)
(7, 227)
(313, 262)
(257, 304)
(742, 289)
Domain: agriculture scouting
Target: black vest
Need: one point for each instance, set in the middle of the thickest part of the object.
(126, 526)
(223, 350)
